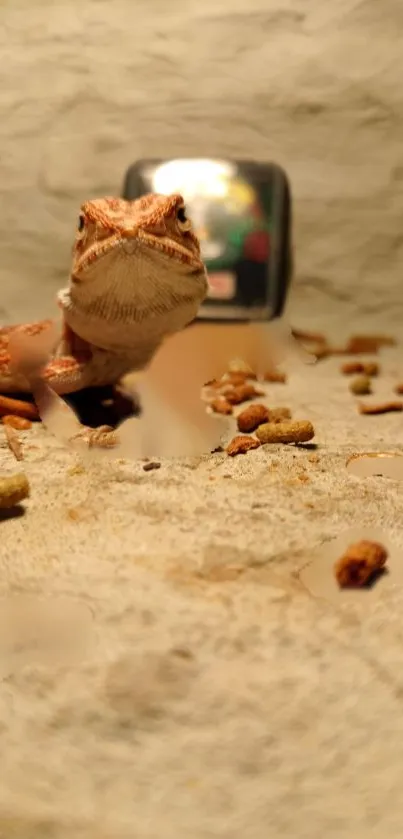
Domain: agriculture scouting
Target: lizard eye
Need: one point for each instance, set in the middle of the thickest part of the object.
(81, 223)
(182, 219)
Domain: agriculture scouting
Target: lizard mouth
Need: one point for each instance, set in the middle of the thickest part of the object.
(158, 247)
(160, 250)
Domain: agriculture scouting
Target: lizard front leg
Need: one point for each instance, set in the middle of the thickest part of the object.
(60, 418)
(28, 361)
(28, 357)
(12, 379)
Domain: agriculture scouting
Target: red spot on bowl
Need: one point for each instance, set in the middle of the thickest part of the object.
(257, 246)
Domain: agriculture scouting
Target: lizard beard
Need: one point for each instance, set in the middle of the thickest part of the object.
(128, 297)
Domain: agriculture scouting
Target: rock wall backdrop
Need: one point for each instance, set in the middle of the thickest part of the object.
(86, 88)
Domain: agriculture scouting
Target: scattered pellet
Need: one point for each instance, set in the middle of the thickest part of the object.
(19, 423)
(221, 406)
(399, 389)
(294, 431)
(238, 377)
(13, 490)
(234, 379)
(363, 344)
(252, 417)
(356, 345)
(151, 465)
(18, 408)
(368, 368)
(352, 367)
(279, 414)
(242, 393)
(275, 376)
(381, 408)
(359, 564)
(361, 385)
(241, 444)
(13, 442)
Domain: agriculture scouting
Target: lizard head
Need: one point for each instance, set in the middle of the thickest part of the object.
(137, 262)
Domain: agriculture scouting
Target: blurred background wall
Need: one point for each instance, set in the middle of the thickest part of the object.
(87, 87)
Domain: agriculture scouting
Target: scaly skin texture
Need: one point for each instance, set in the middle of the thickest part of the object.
(136, 277)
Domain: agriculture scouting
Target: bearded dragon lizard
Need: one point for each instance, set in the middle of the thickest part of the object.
(137, 276)
(137, 279)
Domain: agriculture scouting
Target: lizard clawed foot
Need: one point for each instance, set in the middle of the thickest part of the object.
(103, 437)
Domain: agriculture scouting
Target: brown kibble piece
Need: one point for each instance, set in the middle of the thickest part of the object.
(399, 389)
(18, 408)
(237, 378)
(252, 417)
(370, 368)
(351, 367)
(19, 423)
(234, 379)
(294, 431)
(359, 564)
(275, 376)
(381, 408)
(361, 385)
(13, 490)
(13, 442)
(362, 344)
(357, 345)
(229, 381)
(242, 444)
(279, 414)
(221, 406)
(242, 393)
(151, 465)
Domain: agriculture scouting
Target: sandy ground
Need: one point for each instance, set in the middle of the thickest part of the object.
(186, 684)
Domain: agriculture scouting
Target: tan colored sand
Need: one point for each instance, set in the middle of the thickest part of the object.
(196, 689)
